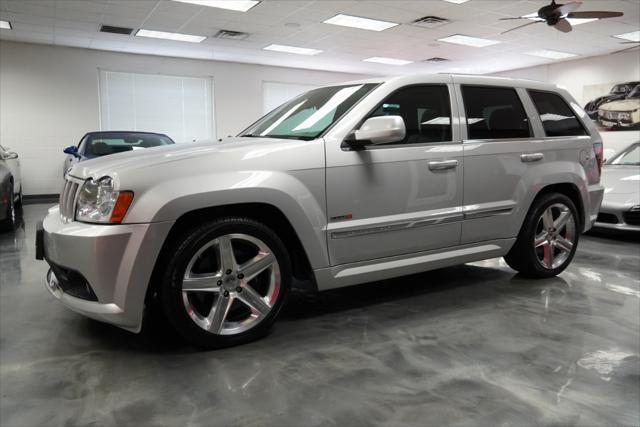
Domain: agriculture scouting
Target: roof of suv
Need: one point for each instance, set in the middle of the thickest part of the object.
(466, 78)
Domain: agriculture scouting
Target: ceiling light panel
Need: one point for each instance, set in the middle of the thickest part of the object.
(550, 54)
(468, 41)
(456, 1)
(580, 21)
(387, 61)
(170, 36)
(362, 23)
(633, 36)
(237, 5)
(292, 49)
(5, 25)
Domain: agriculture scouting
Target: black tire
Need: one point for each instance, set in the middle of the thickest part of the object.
(182, 252)
(524, 256)
(11, 216)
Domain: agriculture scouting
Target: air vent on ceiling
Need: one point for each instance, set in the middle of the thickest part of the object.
(430, 21)
(116, 30)
(231, 35)
(436, 59)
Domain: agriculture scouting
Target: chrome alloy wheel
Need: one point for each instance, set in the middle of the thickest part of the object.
(555, 236)
(231, 284)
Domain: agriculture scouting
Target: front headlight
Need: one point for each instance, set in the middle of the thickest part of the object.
(99, 202)
(625, 116)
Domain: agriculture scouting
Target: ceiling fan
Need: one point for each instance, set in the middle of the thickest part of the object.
(555, 15)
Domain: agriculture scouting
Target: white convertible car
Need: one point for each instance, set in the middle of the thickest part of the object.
(620, 209)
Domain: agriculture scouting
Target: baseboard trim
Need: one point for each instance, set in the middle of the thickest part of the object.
(34, 199)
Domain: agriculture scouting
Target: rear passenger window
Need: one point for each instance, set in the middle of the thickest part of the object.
(426, 112)
(557, 117)
(494, 113)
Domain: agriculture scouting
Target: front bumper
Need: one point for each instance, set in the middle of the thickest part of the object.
(116, 261)
(617, 217)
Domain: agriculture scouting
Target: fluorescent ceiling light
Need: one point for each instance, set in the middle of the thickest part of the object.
(362, 23)
(550, 54)
(388, 61)
(580, 21)
(237, 5)
(456, 1)
(292, 49)
(633, 36)
(5, 25)
(170, 36)
(468, 41)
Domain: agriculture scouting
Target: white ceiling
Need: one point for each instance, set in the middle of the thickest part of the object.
(299, 23)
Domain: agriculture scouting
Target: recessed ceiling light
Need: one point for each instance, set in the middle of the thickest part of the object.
(580, 21)
(633, 36)
(456, 1)
(362, 23)
(237, 5)
(468, 41)
(5, 25)
(170, 36)
(550, 54)
(388, 61)
(292, 49)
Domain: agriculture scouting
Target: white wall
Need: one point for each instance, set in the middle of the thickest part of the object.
(574, 75)
(597, 70)
(49, 98)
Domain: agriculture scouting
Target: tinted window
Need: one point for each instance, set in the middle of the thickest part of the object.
(494, 113)
(103, 144)
(557, 118)
(426, 112)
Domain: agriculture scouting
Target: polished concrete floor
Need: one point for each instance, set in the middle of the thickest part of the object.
(469, 345)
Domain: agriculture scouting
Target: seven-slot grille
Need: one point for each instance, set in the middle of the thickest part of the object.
(68, 199)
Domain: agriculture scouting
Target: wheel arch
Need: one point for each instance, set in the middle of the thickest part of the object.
(570, 190)
(265, 213)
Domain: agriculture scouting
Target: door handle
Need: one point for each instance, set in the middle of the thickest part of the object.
(533, 157)
(443, 165)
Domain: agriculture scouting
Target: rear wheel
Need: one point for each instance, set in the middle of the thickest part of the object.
(548, 239)
(226, 282)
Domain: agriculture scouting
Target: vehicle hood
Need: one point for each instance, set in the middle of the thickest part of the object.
(197, 157)
(603, 99)
(622, 184)
(622, 105)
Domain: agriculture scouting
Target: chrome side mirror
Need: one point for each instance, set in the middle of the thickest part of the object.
(9, 156)
(379, 130)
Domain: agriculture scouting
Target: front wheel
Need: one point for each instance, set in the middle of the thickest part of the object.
(548, 239)
(11, 216)
(226, 282)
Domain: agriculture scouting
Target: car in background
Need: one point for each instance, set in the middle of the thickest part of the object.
(8, 217)
(12, 162)
(98, 144)
(620, 209)
(617, 92)
(624, 113)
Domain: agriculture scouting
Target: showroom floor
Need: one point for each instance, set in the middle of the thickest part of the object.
(469, 345)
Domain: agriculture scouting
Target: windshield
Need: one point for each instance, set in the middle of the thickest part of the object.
(629, 157)
(635, 93)
(104, 144)
(308, 115)
(620, 89)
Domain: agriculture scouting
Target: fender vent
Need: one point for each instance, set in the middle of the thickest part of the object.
(116, 30)
(231, 35)
(431, 22)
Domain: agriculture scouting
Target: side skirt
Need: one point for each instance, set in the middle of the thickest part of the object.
(343, 275)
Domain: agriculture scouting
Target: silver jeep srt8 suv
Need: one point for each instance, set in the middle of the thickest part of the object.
(342, 185)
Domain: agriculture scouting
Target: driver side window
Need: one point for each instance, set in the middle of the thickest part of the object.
(426, 111)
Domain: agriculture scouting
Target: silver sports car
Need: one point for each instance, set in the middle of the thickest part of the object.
(620, 208)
